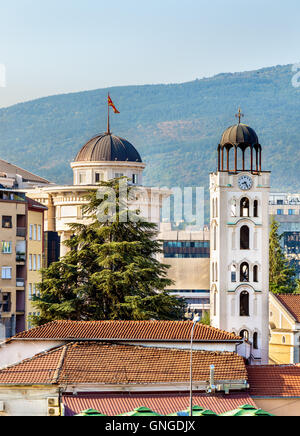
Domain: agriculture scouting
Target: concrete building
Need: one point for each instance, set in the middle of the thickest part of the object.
(15, 218)
(188, 254)
(239, 193)
(35, 254)
(285, 208)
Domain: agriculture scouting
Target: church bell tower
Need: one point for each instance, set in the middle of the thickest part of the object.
(239, 203)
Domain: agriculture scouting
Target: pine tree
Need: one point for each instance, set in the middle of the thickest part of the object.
(111, 270)
(282, 274)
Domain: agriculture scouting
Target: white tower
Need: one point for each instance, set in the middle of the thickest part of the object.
(240, 241)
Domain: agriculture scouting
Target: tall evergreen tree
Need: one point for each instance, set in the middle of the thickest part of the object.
(111, 270)
(282, 274)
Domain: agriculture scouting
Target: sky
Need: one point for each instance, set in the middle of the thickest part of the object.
(59, 46)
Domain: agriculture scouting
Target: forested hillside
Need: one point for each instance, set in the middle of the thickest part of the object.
(175, 127)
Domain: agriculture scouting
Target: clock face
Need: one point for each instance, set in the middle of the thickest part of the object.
(245, 183)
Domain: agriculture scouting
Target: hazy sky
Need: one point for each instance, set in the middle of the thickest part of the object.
(58, 46)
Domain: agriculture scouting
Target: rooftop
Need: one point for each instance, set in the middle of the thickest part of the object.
(127, 330)
(274, 380)
(112, 404)
(91, 362)
(291, 303)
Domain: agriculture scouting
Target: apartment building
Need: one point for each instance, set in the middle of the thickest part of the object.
(13, 232)
(35, 254)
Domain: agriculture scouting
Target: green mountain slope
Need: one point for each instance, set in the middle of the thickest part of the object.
(175, 127)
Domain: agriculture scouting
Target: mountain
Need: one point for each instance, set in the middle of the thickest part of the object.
(175, 127)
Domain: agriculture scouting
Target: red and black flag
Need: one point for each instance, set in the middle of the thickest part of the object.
(110, 103)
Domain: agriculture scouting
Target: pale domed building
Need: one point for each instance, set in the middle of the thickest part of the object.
(102, 158)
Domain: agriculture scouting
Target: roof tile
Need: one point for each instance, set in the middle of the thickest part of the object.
(91, 362)
(127, 330)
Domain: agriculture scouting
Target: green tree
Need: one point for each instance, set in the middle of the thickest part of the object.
(282, 274)
(111, 270)
(205, 318)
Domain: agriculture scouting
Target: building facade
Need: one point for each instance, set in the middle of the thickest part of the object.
(103, 158)
(35, 254)
(188, 254)
(239, 263)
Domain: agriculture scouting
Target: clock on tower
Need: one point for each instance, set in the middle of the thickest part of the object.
(240, 240)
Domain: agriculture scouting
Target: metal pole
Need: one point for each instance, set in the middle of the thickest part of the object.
(196, 319)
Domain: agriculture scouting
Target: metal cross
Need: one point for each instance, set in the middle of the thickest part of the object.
(239, 115)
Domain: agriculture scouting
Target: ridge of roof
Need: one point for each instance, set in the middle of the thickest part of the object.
(47, 331)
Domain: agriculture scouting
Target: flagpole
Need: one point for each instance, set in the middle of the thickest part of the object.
(108, 126)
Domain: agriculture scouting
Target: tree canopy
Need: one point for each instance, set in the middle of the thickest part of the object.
(111, 270)
(282, 274)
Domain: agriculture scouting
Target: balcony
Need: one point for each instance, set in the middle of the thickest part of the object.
(21, 232)
(20, 283)
(21, 258)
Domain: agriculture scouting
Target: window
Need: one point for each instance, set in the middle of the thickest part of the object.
(244, 272)
(39, 262)
(292, 212)
(245, 238)
(135, 179)
(6, 272)
(215, 238)
(119, 175)
(279, 211)
(244, 334)
(6, 247)
(283, 339)
(215, 303)
(255, 341)
(233, 208)
(244, 304)
(255, 273)
(99, 177)
(30, 262)
(30, 291)
(39, 232)
(30, 231)
(34, 232)
(82, 178)
(34, 262)
(233, 273)
(255, 209)
(245, 206)
(7, 222)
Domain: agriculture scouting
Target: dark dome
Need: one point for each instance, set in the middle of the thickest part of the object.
(239, 134)
(107, 147)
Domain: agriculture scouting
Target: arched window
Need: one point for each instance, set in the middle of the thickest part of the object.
(244, 272)
(244, 334)
(255, 341)
(216, 210)
(233, 273)
(244, 303)
(255, 209)
(233, 208)
(215, 303)
(215, 238)
(245, 238)
(255, 273)
(245, 207)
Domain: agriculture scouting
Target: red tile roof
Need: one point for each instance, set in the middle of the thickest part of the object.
(112, 404)
(274, 380)
(291, 303)
(122, 364)
(127, 330)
